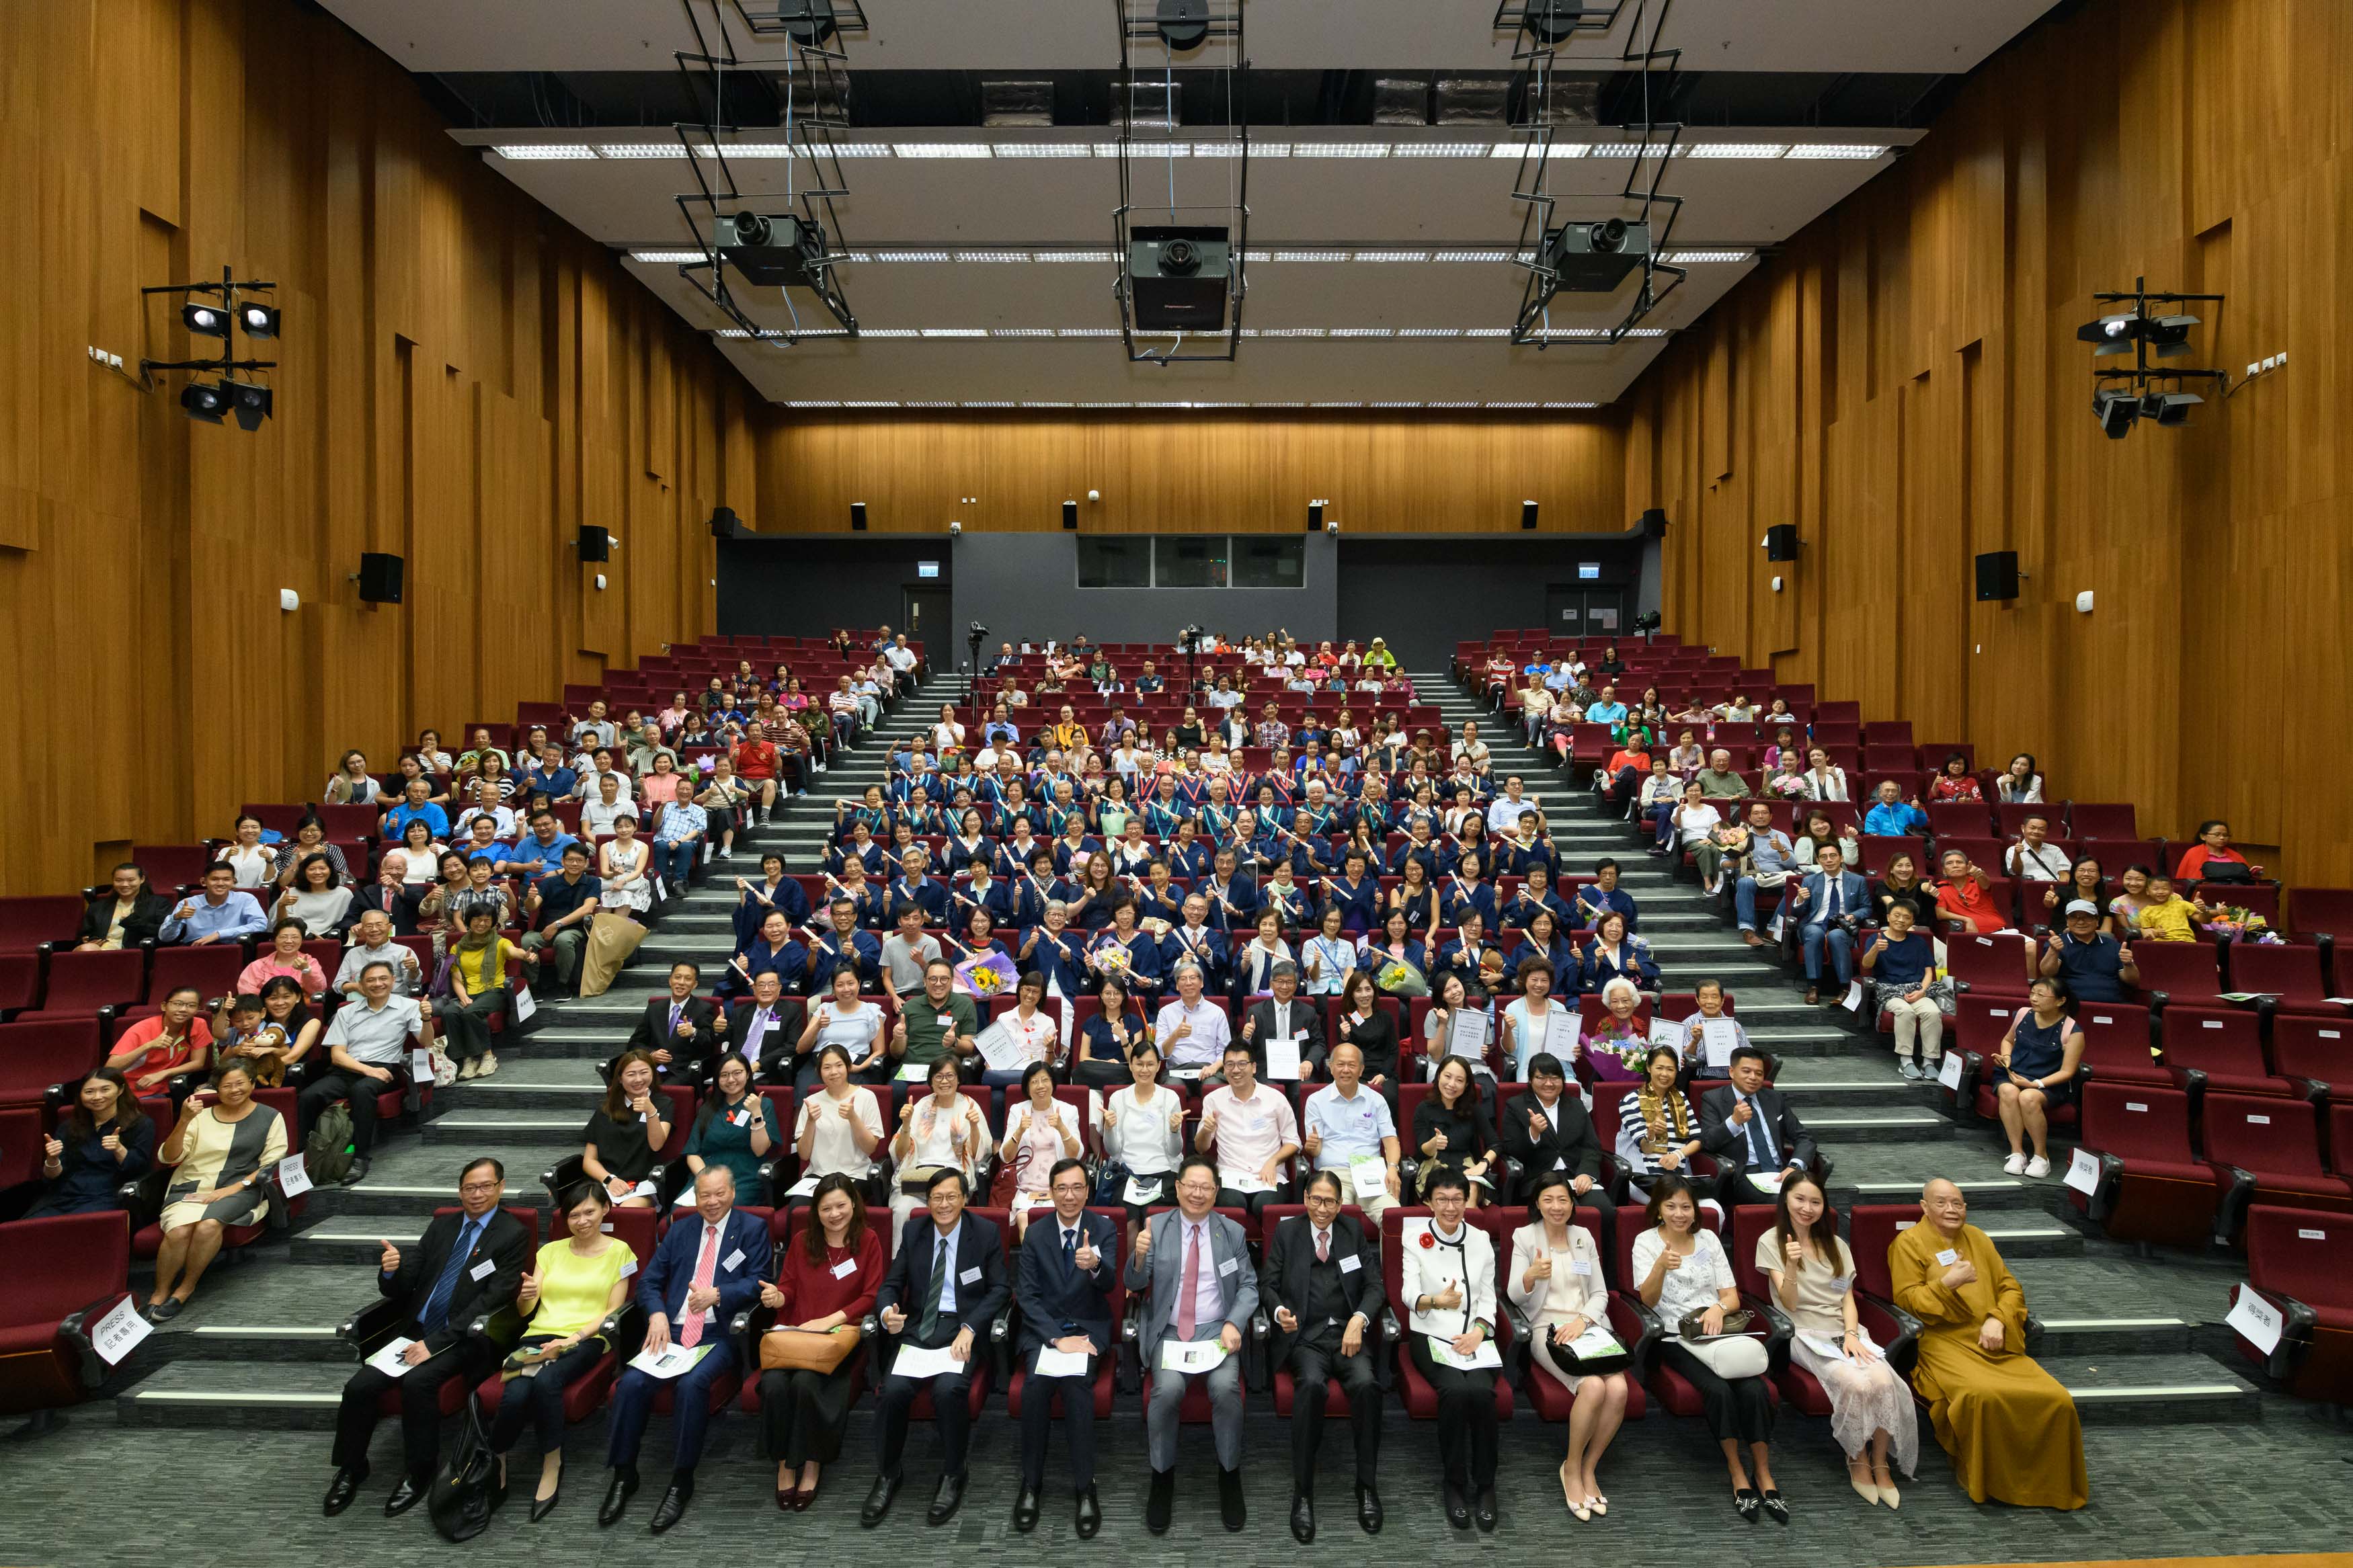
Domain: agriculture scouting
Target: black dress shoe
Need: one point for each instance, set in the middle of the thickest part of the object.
(1776, 1507)
(1368, 1508)
(342, 1490)
(411, 1491)
(674, 1498)
(1303, 1518)
(357, 1173)
(945, 1501)
(617, 1499)
(1230, 1499)
(877, 1501)
(1482, 1509)
(1745, 1500)
(1458, 1508)
(1162, 1503)
(1090, 1514)
(541, 1506)
(1025, 1508)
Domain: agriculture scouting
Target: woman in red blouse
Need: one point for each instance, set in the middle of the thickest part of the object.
(1955, 783)
(1965, 899)
(826, 1283)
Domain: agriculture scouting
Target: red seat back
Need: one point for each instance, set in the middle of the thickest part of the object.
(1872, 1230)
(2300, 1253)
(211, 969)
(2214, 1040)
(2137, 1121)
(27, 922)
(2184, 971)
(2104, 820)
(61, 1263)
(2259, 1133)
(82, 982)
(2314, 911)
(1994, 963)
(37, 1053)
(2314, 1048)
(2283, 970)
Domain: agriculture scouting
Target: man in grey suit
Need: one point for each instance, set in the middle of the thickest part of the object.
(1195, 1269)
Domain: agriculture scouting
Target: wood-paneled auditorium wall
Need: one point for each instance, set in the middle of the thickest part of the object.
(462, 381)
(1210, 474)
(1903, 383)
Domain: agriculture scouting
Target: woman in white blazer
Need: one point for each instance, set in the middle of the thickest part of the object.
(1824, 781)
(1556, 1280)
(1447, 1276)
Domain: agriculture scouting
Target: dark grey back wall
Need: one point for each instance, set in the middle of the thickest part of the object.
(1426, 595)
(804, 585)
(1024, 586)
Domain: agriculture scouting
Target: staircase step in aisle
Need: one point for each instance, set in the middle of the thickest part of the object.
(2161, 1389)
(277, 1392)
(507, 1127)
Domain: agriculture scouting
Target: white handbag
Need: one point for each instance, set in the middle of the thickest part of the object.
(1731, 1356)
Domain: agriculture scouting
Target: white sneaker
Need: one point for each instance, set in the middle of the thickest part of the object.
(488, 1065)
(466, 1069)
(2014, 1166)
(2038, 1166)
(728, 853)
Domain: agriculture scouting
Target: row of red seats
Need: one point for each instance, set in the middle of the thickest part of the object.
(2165, 1169)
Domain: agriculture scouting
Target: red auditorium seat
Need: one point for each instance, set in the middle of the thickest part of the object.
(2316, 1051)
(2220, 1049)
(37, 1053)
(67, 1271)
(211, 969)
(2289, 974)
(2117, 1044)
(2267, 1150)
(1792, 1382)
(2178, 973)
(372, 1320)
(89, 984)
(20, 982)
(1965, 819)
(173, 865)
(25, 923)
(2296, 1260)
(2325, 914)
(1995, 963)
(2103, 820)
(2150, 1187)
(1551, 1398)
(1107, 1364)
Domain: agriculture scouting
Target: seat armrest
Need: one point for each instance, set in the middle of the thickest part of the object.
(501, 1327)
(1516, 1357)
(91, 1368)
(2296, 1335)
(1904, 1344)
(367, 1330)
(1633, 1319)
(2239, 1191)
(2102, 1201)
(1778, 1329)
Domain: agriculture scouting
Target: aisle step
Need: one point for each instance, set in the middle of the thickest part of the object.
(2172, 1389)
(280, 1393)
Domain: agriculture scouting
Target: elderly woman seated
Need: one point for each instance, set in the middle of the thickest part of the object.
(222, 1153)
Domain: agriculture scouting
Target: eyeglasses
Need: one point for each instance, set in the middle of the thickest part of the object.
(481, 1186)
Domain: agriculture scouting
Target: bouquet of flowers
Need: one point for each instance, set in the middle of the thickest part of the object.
(986, 974)
(1786, 786)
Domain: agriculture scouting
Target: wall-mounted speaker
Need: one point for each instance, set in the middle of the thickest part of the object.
(1998, 574)
(725, 524)
(1528, 514)
(1782, 542)
(1653, 523)
(858, 517)
(380, 579)
(1315, 515)
(595, 544)
(1070, 516)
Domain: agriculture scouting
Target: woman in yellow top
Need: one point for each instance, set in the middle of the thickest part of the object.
(573, 1287)
(478, 992)
(1378, 656)
(222, 1153)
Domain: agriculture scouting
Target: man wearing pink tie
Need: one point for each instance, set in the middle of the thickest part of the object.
(703, 1276)
(1193, 1264)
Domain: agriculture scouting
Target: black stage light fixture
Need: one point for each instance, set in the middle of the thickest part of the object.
(1646, 621)
(858, 517)
(1070, 517)
(1782, 542)
(595, 544)
(2168, 407)
(773, 251)
(380, 577)
(249, 401)
(1528, 514)
(1595, 257)
(204, 319)
(2168, 336)
(258, 320)
(203, 402)
(1178, 276)
(1998, 574)
(2109, 334)
(1315, 515)
(724, 523)
(1181, 24)
(2118, 410)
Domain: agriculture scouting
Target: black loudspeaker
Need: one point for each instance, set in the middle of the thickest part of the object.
(1654, 523)
(858, 517)
(595, 544)
(1527, 514)
(725, 524)
(1070, 516)
(1314, 516)
(380, 579)
(1998, 574)
(1782, 542)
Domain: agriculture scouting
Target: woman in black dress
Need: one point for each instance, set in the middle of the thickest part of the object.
(625, 1132)
(1366, 1025)
(1450, 1133)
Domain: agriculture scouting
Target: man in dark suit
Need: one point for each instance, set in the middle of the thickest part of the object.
(705, 1273)
(682, 1032)
(1283, 1016)
(766, 1028)
(391, 895)
(1547, 1128)
(1069, 1264)
(1828, 904)
(131, 904)
(1322, 1286)
(945, 1286)
(468, 1264)
(1748, 1128)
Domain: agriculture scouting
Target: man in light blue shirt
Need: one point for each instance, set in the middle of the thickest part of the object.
(222, 912)
(1892, 817)
(1607, 709)
(538, 853)
(677, 840)
(1346, 1122)
(416, 805)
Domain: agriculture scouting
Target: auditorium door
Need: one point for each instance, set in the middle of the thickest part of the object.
(1577, 610)
(927, 622)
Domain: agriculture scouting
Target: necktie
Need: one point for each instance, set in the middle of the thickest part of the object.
(706, 1266)
(675, 1009)
(1323, 1247)
(928, 1329)
(436, 1305)
(1192, 1283)
(1071, 1250)
(1830, 910)
(1760, 1143)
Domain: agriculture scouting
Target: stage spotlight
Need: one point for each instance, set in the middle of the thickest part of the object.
(204, 320)
(258, 320)
(2109, 334)
(2117, 411)
(249, 401)
(774, 250)
(203, 402)
(2168, 336)
(2170, 407)
(1595, 257)
(1646, 621)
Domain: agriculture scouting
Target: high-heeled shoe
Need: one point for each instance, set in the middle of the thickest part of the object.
(804, 1495)
(541, 1506)
(788, 1498)
(1598, 1503)
(1887, 1492)
(1861, 1483)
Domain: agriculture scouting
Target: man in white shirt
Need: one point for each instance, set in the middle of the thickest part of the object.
(1192, 1032)
(2034, 858)
(374, 944)
(597, 818)
(1347, 1128)
(902, 656)
(1251, 1132)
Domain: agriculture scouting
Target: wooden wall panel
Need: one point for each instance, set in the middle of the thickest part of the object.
(1381, 474)
(452, 386)
(1934, 372)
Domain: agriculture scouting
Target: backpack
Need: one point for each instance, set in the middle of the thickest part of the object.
(328, 1154)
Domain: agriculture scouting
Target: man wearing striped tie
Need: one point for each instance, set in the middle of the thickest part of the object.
(1201, 1291)
(704, 1275)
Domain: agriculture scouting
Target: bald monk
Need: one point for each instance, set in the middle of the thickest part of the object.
(2010, 1429)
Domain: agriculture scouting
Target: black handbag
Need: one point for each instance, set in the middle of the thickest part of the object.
(463, 1494)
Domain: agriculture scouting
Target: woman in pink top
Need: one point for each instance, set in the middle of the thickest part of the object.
(285, 957)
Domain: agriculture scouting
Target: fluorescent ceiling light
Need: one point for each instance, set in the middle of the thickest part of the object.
(955, 331)
(1837, 149)
(859, 149)
(868, 403)
(928, 403)
(983, 406)
(543, 151)
(1487, 331)
(1045, 406)
(992, 256)
(666, 257)
(1335, 406)
(944, 149)
(1086, 332)
(1291, 332)
(1021, 332)
(1393, 255)
(1340, 150)
(1364, 331)
(1471, 256)
(1511, 406)
(1430, 331)
(812, 403)
(1440, 149)
(889, 333)
(1694, 258)
(1734, 149)
(1073, 256)
(630, 149)
(1572, 406)
(1629, 149)
(1310, 255)
(1046, 149)
(743, 151)
(913, 255)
